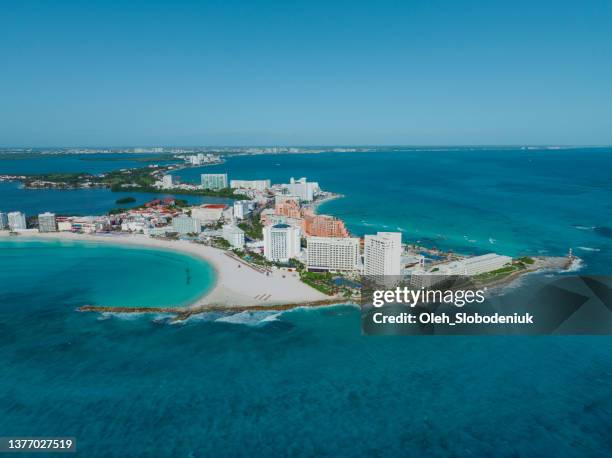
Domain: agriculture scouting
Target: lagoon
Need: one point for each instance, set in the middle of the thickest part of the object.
(101, 274)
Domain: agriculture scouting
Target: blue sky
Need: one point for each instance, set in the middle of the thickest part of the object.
(318, 72)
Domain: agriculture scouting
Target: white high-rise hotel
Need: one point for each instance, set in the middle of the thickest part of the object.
(16, 221)
(281, 242)
(382, 254)
(257, 185)
(242, 208)
(3, 221)
(183, 224)
(46, 222)
(302, 189)
(234, 235)
(214, 180)
(332, 253)
(167, 182)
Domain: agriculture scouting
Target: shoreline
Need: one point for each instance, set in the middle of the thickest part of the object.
(314, 206)
(235, 282)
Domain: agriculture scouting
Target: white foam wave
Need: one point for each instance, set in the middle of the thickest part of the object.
(121, 316)
(250, 318)
(585, 228)
(576, 265)
(586, 248)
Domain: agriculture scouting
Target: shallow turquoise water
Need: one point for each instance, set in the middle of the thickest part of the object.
(101, 274)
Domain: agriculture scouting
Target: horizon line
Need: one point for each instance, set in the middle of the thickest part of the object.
(373, 145)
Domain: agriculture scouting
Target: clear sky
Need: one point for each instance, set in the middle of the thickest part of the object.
(311, 72)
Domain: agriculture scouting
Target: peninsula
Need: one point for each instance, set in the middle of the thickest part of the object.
(270, 248)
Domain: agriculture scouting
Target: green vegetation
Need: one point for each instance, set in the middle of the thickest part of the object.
(219, 242)
(227, 193)
(66, 179)
(499, 273)
(252, 228)
(297, 265)
(253, 258)
(526, 260)
(134, 179)
(321, 281)
(178, 203)
(125, 200)
(126, 180)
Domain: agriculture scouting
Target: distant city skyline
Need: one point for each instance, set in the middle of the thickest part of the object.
(239, 73)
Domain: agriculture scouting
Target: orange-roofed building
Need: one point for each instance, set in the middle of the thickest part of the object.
(324, 226)
(288, 208)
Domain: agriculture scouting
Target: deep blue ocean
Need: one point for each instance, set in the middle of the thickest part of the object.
(306, 382)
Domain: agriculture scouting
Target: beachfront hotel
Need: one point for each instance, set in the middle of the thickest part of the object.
(281, 242)
(323, 225)
(3, 221)
(167, 182)
(311, 223)
(233, 235)
(289, 208)
(208, 213)
(382, 254)
(475, 265)
(301, 188)
(184, 224)
(333, 253)
(256, 185)
(46, 222)
(242, 209)
(16, 221)
(214, 180)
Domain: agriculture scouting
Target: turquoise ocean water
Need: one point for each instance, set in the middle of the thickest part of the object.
(473, 201)
(306, 383)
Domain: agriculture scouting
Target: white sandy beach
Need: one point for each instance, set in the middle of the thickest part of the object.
(236, 282)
